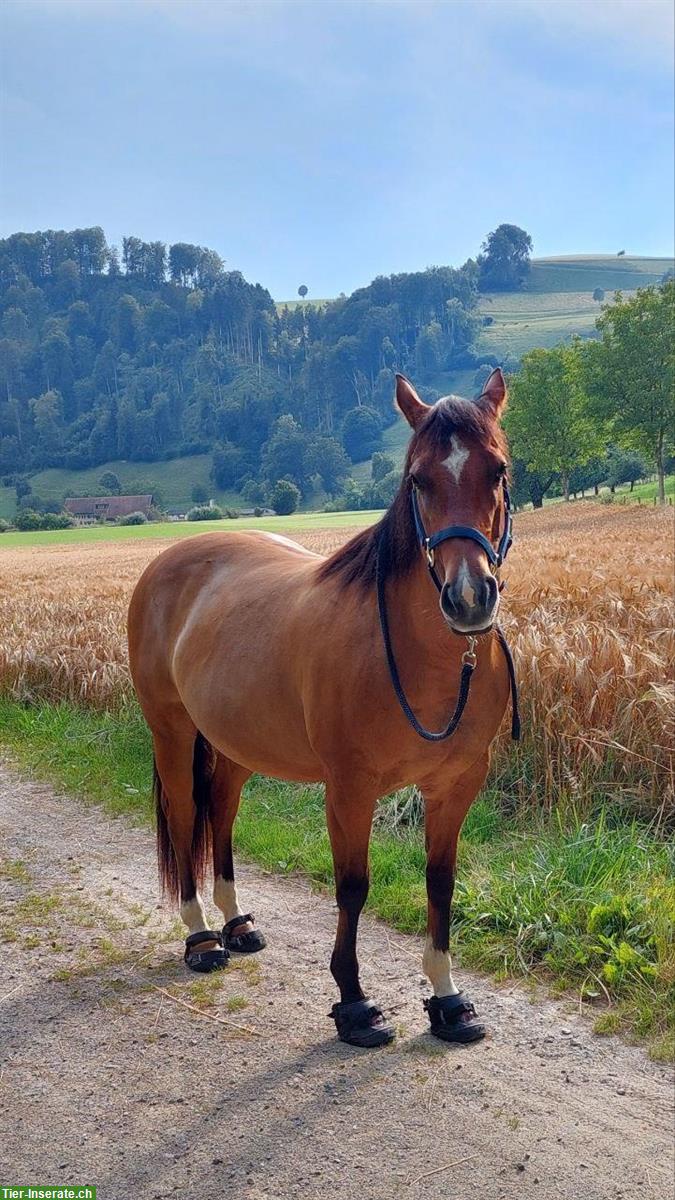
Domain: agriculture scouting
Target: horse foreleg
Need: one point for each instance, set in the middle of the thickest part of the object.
(349, 814)
(452, 1017)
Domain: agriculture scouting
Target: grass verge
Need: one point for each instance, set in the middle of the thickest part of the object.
(585, 905)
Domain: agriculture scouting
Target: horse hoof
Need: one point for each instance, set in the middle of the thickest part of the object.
(205, 961)
(243, 943)
(453, 1019)
(361, 1023)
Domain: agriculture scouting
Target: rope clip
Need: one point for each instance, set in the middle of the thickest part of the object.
(469, 657)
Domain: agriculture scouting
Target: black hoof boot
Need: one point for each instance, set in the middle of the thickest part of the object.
(243, 943)
(453, 1019)
(361, 1023)
(205, 960)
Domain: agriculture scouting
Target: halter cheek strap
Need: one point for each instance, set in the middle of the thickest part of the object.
(429, 542)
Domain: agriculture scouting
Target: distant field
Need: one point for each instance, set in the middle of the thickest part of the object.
(525, 320)
(584, 272)
(179, 529)
(558, 300)
(308, 302)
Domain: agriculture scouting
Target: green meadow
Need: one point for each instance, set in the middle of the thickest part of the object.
(178, 529)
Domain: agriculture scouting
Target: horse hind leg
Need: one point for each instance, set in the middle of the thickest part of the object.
(183, 768)
(226, 784)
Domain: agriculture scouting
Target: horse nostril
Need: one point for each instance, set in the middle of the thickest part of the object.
(450, 603)
(489, 592)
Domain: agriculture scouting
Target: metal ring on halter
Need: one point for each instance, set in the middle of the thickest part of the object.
(469, 657)
(429, 553)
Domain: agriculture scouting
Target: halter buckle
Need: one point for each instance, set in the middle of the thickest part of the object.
(469, 657)
(428, 550)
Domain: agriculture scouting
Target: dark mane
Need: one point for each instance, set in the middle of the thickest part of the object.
(395, 536)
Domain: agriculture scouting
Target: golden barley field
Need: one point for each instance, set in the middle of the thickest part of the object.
(588, 612)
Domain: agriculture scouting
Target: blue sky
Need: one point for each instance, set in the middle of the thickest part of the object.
(325, 143)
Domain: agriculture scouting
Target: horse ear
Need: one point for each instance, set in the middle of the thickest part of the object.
(493, 395)
(408, 402)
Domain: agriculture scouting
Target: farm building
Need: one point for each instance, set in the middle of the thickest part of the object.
(88, 509)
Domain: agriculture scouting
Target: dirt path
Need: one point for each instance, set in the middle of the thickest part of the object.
(107, 1080)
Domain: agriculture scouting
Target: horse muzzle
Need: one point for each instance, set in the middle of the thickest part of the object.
(469, 603)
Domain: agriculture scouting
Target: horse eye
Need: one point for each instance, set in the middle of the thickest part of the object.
(501, 472)
(415, 481)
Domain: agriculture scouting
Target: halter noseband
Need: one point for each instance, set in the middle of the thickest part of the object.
(495, 559)
(429, 542)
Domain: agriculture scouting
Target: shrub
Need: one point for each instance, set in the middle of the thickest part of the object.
(381, 494)
(110, 482)
(285, 497)
(205, 512)
(253, 492)
(361, 433)
(4, 526)
(381, 465)
(29, 521)
(134, 518)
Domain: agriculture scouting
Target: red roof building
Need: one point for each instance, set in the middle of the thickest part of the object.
(86, 509)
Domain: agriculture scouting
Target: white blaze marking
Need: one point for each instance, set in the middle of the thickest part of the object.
(225, 897)
(456, 459)
(436, 965)
(466, 587)
(193, 915)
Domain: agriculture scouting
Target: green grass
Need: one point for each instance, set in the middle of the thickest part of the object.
(523, 320)
(647, 492)
(584, 905)
(584, 272)
(179, 529)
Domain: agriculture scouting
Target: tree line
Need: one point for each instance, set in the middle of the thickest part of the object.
(159, 351)
(600, 410)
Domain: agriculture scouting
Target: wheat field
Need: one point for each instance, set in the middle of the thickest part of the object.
(588, 613)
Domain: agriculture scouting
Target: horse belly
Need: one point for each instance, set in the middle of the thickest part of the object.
(246, 702)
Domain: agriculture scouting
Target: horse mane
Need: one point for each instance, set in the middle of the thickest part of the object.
(394, 538)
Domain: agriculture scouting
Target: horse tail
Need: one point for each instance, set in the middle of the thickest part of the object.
(203, 766)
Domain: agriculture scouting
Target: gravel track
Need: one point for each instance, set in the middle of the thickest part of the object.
(105, 1079)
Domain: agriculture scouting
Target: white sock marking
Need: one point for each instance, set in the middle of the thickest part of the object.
(193, 915)
(454, 463)
(436, 965)
(225, 897)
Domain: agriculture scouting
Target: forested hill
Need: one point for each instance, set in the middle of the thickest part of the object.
(167, 353)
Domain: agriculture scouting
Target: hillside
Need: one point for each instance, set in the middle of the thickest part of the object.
(147, 367)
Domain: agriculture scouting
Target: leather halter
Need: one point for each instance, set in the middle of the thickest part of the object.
(429, 542)
(469, 659)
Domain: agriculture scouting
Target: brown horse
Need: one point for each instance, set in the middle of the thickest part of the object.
(251, 654)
